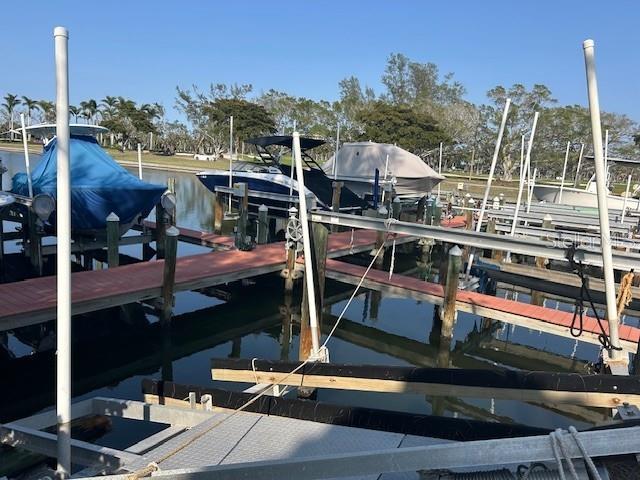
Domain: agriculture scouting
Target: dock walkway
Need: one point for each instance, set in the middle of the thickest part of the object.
(33, 301)
(539, 318)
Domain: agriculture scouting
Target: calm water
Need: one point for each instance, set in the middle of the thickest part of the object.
(116, 349)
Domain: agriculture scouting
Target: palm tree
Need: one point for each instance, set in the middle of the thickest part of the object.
(109, 106)
(31, 106)
(89, 110)
(75, 111)
(10, 103)
(48, 110)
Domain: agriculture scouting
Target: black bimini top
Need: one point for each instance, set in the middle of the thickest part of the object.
(306, 143)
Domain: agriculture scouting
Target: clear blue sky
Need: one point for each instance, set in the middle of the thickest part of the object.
(143, 49)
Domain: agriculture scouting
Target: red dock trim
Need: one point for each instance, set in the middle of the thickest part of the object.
(542, 314)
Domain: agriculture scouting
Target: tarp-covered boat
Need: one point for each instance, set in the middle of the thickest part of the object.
(357, 163)
(99, 186)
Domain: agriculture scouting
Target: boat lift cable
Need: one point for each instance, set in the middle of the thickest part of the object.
(154, 466)
(578, 313)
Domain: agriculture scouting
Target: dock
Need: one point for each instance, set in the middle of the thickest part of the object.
(33, 301)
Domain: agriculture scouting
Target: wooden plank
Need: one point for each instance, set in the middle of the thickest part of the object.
(310, 380)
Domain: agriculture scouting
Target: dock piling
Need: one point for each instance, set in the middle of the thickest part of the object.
(113, 236)
(382, 213)
(35, 243)
(161, 227)
(169, 274)
(218, 213)
(335, 199)
(243, 217)
(262, 233)
(448, 315)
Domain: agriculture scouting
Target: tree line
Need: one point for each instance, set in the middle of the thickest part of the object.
(418, 109)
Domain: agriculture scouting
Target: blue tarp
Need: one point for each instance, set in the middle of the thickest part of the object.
(99, 185)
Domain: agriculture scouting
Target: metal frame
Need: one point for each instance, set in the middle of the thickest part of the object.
(525, 246)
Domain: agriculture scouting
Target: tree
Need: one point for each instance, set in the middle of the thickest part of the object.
(108, 106)
(129, 123)
(10, 103)
(401, 125)
(48, 110)
(89, 110)
(30, 105)
(75, 112)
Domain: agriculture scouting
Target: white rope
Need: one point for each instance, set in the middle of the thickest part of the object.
(154, 465)
(253, 367)
(393, 258)
(590, 465)
(351, 243)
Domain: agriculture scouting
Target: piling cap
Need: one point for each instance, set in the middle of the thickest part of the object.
(548, 218)
(112, 217)
(172, 232)
(60, 32)
(263, 208)
(588, 43)
(455, 251)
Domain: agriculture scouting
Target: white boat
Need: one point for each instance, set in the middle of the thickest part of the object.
(578, 197)
(357, 164)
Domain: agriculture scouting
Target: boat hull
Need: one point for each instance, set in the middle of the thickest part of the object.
(580, 198)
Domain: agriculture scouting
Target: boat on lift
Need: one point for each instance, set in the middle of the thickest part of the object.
(271, 183)
(357, 163)
(99, 185)
(587, 197)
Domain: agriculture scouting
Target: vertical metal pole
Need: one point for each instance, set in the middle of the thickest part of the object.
(533, 185)
(439, 167)
(140, 161)
(230, 157)
(606, 153)
(308, 264)
(63, 226)
(26, 156)
(564, 171)
(525, 168)
(626, 196)
(603, 210)
(522, 143)
(293, 167)
(386, 172)
(335, 157)
(492, 169)
(575, 180)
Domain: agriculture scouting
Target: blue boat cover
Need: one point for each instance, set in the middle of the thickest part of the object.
(99, 185)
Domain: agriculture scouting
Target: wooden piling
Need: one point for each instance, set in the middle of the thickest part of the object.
(448, 312)
(218, 213)
(420, 210)
(113, 238)
(262, 233)
(396, 208)
(243, 217)
(382, 213)
(161, 228)
(169, 274)
(491, 228)
(35, 243)
(437, 213)
(335, 200)
(428, 213)
(547, 224)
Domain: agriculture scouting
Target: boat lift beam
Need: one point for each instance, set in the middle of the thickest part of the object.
(524, 246)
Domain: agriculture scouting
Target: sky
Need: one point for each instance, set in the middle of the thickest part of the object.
(144, 49)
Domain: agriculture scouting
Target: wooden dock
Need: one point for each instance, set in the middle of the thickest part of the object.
(539, 318)
(33, 301)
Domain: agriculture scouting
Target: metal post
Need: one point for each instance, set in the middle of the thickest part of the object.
(140, 161)
(230, 156)
(308, 264)
(531, 187)
(440, 167)
(113, 237)
(63, 277)
(606, 150)
(243, 217)
(169, 274)
(603, 210)
(492, 169)
(335, 157)
(386, 172)
(263, 224)
(564, 171)
(26, 156)
(577, 177)
(527, 161)
(626, 196)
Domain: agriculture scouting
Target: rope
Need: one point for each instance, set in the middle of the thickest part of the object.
(590, 465)
(393, 258)
(625, 295)
(578, 312)
(351, 243)
(152, 467)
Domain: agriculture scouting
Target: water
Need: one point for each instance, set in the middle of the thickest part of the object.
(115, 350)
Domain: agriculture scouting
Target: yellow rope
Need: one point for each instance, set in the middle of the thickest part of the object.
(625, 294)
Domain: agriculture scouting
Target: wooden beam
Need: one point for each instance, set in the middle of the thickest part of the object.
(574, 389)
